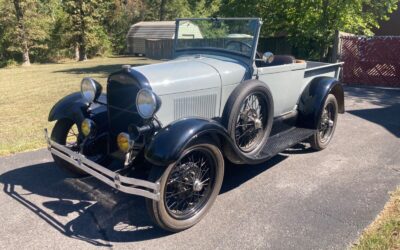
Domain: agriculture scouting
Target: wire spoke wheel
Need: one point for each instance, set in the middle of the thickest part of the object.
(190, 184)
(327, 123)
(251, 122)
(72, 138)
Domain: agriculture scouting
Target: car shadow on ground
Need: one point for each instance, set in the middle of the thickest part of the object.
(387, 117)
(387, 114)
(88, 210)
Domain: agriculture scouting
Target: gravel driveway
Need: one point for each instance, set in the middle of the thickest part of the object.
(298, 200)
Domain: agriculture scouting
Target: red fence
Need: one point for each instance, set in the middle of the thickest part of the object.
(371, 60)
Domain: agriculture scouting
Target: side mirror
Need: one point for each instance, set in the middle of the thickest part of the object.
(268, 57)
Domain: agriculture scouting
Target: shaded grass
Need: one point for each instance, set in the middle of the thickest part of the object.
(384, 232)
(28, 93)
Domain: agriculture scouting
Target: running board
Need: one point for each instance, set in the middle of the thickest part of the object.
(282, 141)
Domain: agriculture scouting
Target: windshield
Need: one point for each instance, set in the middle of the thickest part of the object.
(231, 35)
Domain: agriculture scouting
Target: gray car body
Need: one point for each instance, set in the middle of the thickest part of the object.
(199, 84)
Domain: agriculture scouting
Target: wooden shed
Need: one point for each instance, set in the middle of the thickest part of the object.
(160, 30)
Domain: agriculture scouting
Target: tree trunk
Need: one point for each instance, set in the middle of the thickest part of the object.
(162, 9)
(77, 52)
(82, 35)
(25, 55)
(82, 53)
(24, 40)
(325, 24)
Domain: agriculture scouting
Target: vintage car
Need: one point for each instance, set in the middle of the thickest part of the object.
(164, 131)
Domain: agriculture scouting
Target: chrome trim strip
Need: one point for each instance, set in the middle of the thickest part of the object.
(124, 184)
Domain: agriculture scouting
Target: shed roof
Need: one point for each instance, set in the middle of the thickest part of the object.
(156, 30)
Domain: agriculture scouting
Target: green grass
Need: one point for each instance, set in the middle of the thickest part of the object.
(384, 232)
(28, 93)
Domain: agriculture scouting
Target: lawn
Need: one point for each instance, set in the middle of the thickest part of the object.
(28, 93)
(384, 232)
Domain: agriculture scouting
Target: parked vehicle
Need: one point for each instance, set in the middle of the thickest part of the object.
(218, 100)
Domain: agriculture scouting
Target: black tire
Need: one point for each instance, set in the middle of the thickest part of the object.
(326, 124)
(59, 134)
(232, 111)
(161, 213)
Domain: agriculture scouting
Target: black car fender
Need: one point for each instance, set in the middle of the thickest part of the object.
(312, 100)
(168, 143)
(75, 108)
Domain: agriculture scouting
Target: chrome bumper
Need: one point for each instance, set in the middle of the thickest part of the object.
(122, 183)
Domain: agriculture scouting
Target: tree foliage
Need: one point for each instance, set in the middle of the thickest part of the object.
(25, 27)
(310, 24)
(49, 30)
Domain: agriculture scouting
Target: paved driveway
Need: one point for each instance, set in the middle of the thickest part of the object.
(297, 200)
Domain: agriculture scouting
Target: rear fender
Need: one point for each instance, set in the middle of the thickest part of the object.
(313, 99)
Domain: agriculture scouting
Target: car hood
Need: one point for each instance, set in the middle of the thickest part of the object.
(192, 73)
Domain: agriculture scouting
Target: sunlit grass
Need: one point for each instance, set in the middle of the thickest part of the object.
(28, 93)
(384, 232)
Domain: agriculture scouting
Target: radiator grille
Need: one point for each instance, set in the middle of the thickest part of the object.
(203, 106)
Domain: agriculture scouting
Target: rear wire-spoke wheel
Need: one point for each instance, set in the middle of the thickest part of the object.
(188, 187)
(251, 122)
(327, 124)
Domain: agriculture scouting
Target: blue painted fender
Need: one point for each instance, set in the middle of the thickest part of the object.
(313, 99)
(71, 107)
(75, 108)
(168, 144)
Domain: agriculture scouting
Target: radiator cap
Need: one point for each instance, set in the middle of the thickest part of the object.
(126, 67)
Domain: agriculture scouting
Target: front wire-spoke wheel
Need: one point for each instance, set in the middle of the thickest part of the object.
(188, 187)
(326, 125)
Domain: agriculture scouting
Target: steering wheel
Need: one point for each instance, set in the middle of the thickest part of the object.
(241, 45)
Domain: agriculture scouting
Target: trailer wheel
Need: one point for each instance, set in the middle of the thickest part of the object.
(188, 187)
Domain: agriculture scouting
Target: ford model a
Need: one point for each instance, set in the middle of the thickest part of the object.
(218, 100)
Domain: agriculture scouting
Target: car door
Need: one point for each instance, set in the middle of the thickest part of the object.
(285, 83)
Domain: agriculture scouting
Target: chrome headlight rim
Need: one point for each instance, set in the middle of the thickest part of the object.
(152, 107)
(90, 89)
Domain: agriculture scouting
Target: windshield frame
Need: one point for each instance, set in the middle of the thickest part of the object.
(223, 51)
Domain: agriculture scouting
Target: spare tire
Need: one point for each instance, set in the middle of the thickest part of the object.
(248, 116)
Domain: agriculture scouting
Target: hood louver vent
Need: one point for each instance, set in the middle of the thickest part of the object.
(203, 106)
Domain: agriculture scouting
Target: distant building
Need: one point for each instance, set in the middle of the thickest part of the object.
(391, 27)
(142, 31)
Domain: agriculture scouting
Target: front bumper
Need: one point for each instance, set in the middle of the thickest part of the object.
(114, 179)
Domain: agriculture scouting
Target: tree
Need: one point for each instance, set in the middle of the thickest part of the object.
(85, 18)
(119, 17)
(163, 9)
(25, 26)
(310, 24)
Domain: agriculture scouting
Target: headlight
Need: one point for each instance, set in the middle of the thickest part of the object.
(87, 127)
(90, 89)
(146, 103)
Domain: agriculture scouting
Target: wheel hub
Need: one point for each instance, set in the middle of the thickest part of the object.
(197, 185)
